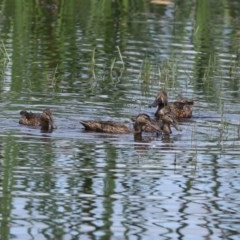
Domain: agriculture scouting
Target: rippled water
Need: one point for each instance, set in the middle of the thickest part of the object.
(73, 184)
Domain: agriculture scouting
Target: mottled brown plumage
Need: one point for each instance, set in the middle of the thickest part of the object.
(165, 121)
(104, 126)
(44, 119)
(181, 108)
(141, 121)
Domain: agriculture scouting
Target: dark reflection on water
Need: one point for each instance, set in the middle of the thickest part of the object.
(107, 60)
(73, 184)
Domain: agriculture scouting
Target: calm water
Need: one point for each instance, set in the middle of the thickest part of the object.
(107, 60)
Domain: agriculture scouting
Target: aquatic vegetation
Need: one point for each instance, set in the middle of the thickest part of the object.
(4, 57)
(163, 74)
(145, 72)
(53, 78)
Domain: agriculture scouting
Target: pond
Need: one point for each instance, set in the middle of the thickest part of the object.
(107, 60)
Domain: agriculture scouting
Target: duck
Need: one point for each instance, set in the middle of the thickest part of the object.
(139, 124)
(181, 108)
(165, 120)
(44, 119)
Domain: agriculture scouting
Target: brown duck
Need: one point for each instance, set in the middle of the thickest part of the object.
(181, 108)
(164, 121)
(44, 119)
(140, 122)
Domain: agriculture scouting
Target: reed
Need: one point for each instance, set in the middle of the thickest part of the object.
(234, 69)
(4, 57)
(163, 74)
(116, 71)
(145, 71)
(4, 52)
(112, 65)
(92, 64)
(120, 55)
(169, 72)
(145, 75)
(211, 69)
(95, 79)
(53, 78)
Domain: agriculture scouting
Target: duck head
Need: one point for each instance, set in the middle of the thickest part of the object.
(46, 120)
(160, 100)
(143, 120)
(167, 119)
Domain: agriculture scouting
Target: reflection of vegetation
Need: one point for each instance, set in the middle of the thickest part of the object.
(4, 58)
(51, 33)
(213, 69)
(19, 162)
(7, 183)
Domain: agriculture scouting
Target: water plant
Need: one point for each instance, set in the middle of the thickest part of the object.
(4, 57)
(145, 73)
(53, 78)
(117, 72)
(92, 64)
(163, 74)
(120, 55)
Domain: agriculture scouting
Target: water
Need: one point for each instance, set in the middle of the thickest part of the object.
(107, 60)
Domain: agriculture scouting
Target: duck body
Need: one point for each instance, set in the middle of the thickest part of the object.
(29, 118)
(182, 108)
(178, 109)
(105, 126)
(165, 120)
(139, 124)
(44, 119)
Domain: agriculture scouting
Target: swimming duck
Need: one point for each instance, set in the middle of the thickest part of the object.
(181, 108)
(165, 121)
(44, 119)
(140, 122)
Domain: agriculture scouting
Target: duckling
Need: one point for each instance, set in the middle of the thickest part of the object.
(165, 121)
(44, 119)
(140, 122)
(181, 108)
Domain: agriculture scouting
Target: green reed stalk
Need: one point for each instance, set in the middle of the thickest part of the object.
(52, 78)
(92, 66)
(120, 55)
(4, 52)
(112, 65)
(145, 72)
